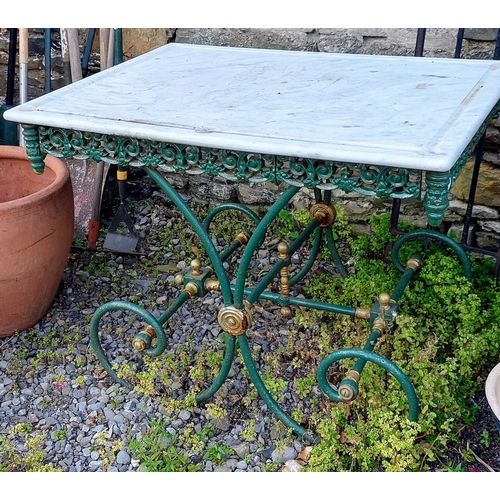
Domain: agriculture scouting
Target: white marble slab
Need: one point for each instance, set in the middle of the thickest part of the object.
(409, 112)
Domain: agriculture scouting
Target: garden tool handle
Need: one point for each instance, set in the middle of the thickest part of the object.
(121, 176)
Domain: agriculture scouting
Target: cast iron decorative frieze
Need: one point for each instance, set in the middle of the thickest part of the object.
(384, 182)
(370, 180)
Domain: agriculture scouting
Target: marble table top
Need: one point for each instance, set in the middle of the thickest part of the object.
(410, 112)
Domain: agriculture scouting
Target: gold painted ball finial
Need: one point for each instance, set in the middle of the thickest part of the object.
(384, 299)
(283, 249)
(195, 267)
(286, 312)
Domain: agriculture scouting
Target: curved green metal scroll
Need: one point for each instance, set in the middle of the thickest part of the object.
(96, 343)
(355, 353)
(161, 345)
(238, 208)
(254, 241)
(422, 234)
(230, 206)
(313, 254)
(200, 231)
(223, 372)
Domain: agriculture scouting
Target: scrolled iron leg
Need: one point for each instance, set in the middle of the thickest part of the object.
(423, 234)
(154, 326)
(348, 388)
(142, 342)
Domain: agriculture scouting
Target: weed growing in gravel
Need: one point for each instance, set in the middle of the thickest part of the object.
(106, 447)
(275, 385)
(22, 451)
(217, 453)
(159, 449)
(485, 439)
(59, 434)
(215, 410)
(249, 433)
(304, 385)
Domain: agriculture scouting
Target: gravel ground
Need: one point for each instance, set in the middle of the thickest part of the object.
(52, 384)
(51, 380)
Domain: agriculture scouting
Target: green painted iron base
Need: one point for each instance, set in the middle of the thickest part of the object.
(235, 316)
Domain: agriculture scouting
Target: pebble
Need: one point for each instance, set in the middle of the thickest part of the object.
(122, 458)
(288, 453)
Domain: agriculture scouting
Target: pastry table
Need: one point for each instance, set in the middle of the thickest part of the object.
(384, 126)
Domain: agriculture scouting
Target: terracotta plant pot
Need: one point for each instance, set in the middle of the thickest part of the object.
(36, 232)
(492, 390)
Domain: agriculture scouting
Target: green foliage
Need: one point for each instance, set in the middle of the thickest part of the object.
(59, 434)
(249, 433)
(23, 451)
(160, 450)
(275, 385)
(305, 385)
(217, 453)
(449, 467)
(372, 246)
(286, 225)
(341, 227)
(157, 451)
(447, 331)
(485, 439)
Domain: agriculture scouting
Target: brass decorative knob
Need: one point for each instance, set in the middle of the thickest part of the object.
(384, 299)
(143, 339)
(191, 289)
(235, 321)
(196, 267)
(286, 312)
(283, 250)
(242, 238)
(415, 263)
(326, 214)
(212, 285)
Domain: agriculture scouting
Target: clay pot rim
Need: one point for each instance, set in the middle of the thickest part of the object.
(51, 162)
(491, 390)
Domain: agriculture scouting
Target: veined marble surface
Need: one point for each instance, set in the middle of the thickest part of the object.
(411, 112)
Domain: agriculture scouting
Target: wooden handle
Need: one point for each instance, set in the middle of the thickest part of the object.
(111, 52)
(65, 55)
(74, 54)
(23, 45)
(23, 67)
(103, 47)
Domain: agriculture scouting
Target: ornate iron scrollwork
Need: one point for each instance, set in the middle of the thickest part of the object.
(239, 166)
(371, 180)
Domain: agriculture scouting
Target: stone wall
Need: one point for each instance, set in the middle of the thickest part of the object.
(439, 42)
